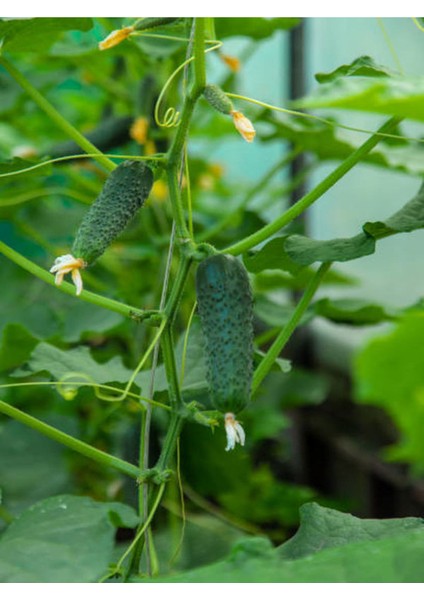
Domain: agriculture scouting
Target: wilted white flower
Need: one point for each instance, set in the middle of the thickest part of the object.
(115, 38)
(243, 125)
(235, 432)
(68, 264)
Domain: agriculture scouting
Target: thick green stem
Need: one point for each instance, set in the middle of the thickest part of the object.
(168, 355)
(177, 288)
(67, 288)
(199, 57)
(170, 442)
(99, 456)
(312, 196)
(274, 351)
(56, 117)
(177, 146)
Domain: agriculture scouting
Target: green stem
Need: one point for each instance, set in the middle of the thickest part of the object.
(55, 116)
(168, 355)
(285, 334)
(169, 445)
(199, 56)
(142, 529)
(113, 305)
(177, 288)
(177, 146)
(312, 196)
(227, 219)
(71, 442)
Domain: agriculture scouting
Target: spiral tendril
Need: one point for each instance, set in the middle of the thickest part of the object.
(171, 116)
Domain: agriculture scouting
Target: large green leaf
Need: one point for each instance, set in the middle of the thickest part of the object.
(16, 345)
(67, 539)
(364, 66)
(271, 256)
(306, 251)
(401, 96)
(26, 481)
(410, 216)
(322, 528)
(37, 35)
(78, 361)
(255, 28)
(389, 373)
(353, 311)
(330, 547)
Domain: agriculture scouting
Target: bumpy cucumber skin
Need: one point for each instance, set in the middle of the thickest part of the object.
(225, 306)
(218, 99)
(123, 193)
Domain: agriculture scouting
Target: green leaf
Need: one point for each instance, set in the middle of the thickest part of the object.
(32, 466)
(364, 66)
(331, 547)
(322, 527)
(301, 388)
(277, 313)
(273, 280)
(328, 142)
(306, 251)
(389, 373)
(60, 363)
(275, 501)
(410, 217)
(37, 35)
(255, 28)
(271, 256)
(66, 539)
(400, 96)
(16, 345)
(281, 364)
(8, 168)
(88, 319)
(353, 311)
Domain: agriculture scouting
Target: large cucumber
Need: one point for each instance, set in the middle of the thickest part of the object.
(124, 192)
(225, 307)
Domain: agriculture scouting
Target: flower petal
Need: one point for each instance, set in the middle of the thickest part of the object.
(243, 126)
(235, 432)
(77, 279)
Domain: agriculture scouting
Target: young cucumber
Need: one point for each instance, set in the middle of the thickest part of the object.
(124, 192)
(225, 307)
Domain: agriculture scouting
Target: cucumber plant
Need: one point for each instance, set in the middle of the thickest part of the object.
(186, 320)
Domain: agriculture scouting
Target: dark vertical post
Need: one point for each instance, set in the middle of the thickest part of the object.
(297, 89)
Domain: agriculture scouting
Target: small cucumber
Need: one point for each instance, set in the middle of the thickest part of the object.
(218, 99)
(124, 192)
(225, 306)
